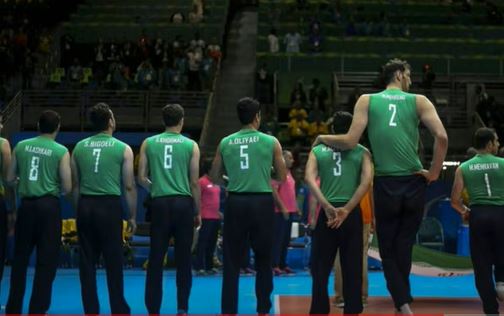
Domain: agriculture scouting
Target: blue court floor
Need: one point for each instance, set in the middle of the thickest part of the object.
(206, 290)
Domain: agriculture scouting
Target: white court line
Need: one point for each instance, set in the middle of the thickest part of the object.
(276, 304)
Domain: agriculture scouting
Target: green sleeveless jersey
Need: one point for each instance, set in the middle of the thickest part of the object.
(339, 171)
(99, 161)
(484, 179)
(169, 156)
(2, 188)
(393, 133)
(38, 161)
(247, 157)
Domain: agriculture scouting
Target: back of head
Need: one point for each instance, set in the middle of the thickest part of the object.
(341, 122)
(390, 68)
(482, 137)
(172, 114)
(100, 116)
(247, 109)
(49, 122)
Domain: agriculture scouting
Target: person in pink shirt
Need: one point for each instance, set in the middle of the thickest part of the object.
(211, 219)
(284, 195)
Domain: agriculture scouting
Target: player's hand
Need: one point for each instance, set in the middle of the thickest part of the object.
(465, 215)
(197, 222)
(428, 175)
(285, 214)
(313, 224)
(330, 212)
(341, 215)
(132, 226)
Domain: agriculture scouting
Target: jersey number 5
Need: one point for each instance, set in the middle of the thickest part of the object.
(244, 157)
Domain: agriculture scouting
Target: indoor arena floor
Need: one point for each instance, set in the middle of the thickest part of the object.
(453, 295)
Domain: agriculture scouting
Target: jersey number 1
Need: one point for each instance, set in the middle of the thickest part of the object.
(487, 182)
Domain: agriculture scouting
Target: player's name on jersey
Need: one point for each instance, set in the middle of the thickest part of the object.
(393, 97)
(169, 140)
(38, 150)
(483, 166)
(244, 140)
(327, 148)
(99, 143)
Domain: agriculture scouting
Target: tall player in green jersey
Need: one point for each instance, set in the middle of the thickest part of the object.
(169, 170)
(6, 196)
(345, 177)
(483, 177)
(392, 117)
(247, 157)
(100, 164)
(41, 169)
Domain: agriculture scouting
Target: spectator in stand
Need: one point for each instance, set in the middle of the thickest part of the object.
(274, 47)
(297, 109)
(298, 93)
(316, 114)
(298, 127)
(177, 18)
(170, 77)
(157, 56)
(146, 76)
(206, 71)
(67, 50)
(99, 60)
(129, 56)
(292, 41)
(214, 50)
(264, 87)
(317, 128)
(284, 195)
(75, 74)
(193, 75)
(211, 222)
(316, 91)
(197, 44)
(315, 39)
(196, 15)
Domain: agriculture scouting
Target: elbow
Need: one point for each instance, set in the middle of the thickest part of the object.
(442, 138)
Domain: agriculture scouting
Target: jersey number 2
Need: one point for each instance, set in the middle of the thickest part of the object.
(393, 108)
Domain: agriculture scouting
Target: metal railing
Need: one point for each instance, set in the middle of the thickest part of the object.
(137, 110)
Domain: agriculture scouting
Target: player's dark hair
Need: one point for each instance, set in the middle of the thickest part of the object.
(172, 114)
(483, 136)
(49, 121)
(390, 68)
(247, 109)
(99, 116)
(341, 122)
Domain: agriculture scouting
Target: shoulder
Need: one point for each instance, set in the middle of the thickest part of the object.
(60, 148)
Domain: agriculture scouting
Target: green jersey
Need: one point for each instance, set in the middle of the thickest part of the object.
(99, 161)
(38, 160)
(339, 171)
(169, 156)
(393, 133)
(484, 179)
(247, 157)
